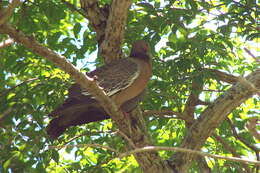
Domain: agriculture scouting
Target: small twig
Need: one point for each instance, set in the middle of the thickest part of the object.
(6, 43)
(248, 84)
(73, 8)
(252, 55)
(209, 90)
(131, 143)
(7, 12)
(235, 134)
(162, 113)
(4, 114)
(158, 148)
(200, 102)
(251, 126)
(3, 93)
(223, 76)
(192, 101)
(88, 134)
(85, 146)
(230, 149)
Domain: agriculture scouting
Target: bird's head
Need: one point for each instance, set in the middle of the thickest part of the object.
(140, 49)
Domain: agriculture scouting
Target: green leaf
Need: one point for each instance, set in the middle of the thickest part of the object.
(76, 29)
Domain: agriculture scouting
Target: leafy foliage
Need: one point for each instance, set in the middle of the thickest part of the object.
(186, 37)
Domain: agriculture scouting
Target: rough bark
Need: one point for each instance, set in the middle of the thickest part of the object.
(109, 23)
(211, 118)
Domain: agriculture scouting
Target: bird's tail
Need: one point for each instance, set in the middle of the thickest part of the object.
(73, 113)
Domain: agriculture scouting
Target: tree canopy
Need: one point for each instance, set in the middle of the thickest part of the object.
(203, 95)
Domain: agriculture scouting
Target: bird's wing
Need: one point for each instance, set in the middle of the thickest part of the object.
(113, 77)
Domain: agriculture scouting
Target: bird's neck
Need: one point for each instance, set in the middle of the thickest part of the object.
(142, 56)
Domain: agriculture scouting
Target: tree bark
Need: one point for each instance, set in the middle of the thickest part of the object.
(212, 117)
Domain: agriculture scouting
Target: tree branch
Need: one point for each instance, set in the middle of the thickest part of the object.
(251, 126)
(163, 113)
(225, 77)
(6, 91)
(244, 141)
(211, 118)
(73, 8)
(97, 17)
(192, 101)
(6, 13)
(6, 43)
(85, 146)
(189, 152)
(109, 24)
(230, 149)
(110, 48)
(252, 55)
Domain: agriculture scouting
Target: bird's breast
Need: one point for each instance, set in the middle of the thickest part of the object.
(137, 86)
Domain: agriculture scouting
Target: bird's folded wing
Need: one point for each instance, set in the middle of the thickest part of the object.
(112, 77)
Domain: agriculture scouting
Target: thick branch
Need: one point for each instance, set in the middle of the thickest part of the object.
(111, 46)
(225, 77)
(109, 24)
(211, 118)
(97, 17)
(149, 161)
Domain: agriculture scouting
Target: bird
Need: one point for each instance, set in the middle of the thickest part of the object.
(123, 80)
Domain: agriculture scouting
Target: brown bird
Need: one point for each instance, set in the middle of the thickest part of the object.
(123, 80)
